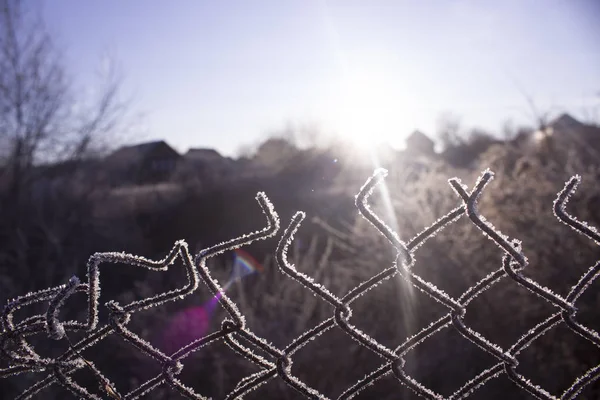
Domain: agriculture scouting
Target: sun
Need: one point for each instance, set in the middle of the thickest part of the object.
(369, 110)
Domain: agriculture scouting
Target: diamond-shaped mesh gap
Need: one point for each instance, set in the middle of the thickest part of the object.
(440, 359)
(555, 351)
(457, 273)
(508, 325)
(215, 370)
(387, 388)
(587, 316)
(502, 387)
(323, 362)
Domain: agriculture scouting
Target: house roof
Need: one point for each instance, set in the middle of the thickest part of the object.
(141, 148)
(139, 151)
(565, 121)
(203, 153)
(418, 136)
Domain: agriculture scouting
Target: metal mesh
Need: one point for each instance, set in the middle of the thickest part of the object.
(23, 358)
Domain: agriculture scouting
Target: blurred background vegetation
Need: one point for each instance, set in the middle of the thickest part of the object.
(69, 189)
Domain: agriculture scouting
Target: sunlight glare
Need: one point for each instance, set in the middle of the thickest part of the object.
(370, 111)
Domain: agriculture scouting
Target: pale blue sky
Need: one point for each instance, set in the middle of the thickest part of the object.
(223, 73)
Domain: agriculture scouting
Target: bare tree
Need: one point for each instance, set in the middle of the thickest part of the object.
(448, 130)
(591, 113)
(47, 129)
(42, 119)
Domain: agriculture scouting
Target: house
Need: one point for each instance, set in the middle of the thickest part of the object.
(566, 122)
(567, 134)
(203, 156)
(419, 143)
(207, 164)
(144, 163)
(274, 152)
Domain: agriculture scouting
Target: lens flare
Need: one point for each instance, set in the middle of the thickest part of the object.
(246, 262)
(194, 322)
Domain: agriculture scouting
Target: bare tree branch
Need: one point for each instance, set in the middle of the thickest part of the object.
(41, 118)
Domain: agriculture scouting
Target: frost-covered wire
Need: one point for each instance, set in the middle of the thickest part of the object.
(278, 362)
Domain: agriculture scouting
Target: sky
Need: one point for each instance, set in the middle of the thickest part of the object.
(226, 74)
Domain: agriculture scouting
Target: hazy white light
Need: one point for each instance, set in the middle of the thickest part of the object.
(369, 110)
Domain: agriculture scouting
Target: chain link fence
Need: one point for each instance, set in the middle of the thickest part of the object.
(277, 362)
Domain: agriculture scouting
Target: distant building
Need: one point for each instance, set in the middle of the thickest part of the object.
(203, 156)
(567, 133)
(143, 163)
(419, 143)
(566, 122)
(274, 152)
(207, 165)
